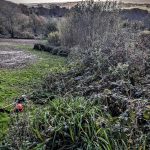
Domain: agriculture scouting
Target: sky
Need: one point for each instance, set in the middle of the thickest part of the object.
(41, 1)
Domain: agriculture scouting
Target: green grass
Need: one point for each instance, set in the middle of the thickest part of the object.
(72, 123)
(16, 82)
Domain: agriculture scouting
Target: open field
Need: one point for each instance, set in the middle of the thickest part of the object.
(13, 57)
(26, 72)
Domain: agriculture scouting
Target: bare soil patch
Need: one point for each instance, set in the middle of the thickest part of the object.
(13, 57)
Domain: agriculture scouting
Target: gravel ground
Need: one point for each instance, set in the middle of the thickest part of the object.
(13, 57)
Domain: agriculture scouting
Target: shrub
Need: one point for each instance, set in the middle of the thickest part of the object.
(88, 23)
(95, 33)
(51, 27)
(24, 35)
(1, 29)
(53, 38)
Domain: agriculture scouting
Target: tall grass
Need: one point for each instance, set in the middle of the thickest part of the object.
(69, 124)
(66, 124)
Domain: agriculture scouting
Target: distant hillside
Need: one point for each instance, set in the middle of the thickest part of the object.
(67, 5)
(60, 9)
(137, 1)
(4, 3)
(136, 14)
(46, 10)
(8, 3)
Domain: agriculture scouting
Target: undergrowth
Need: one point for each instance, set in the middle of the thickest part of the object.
(72, 123)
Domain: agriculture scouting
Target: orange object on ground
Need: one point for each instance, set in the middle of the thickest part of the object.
(19, 107)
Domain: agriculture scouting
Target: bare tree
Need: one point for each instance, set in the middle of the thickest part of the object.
(10, 19)
(13, 21)
(37, 23)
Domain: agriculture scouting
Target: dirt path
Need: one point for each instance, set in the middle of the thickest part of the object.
(11, 56)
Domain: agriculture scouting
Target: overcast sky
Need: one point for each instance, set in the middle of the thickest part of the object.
(41, 1)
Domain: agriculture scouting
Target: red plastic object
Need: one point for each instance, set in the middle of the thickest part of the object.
(19, 107)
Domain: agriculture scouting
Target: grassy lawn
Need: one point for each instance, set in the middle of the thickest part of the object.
(16, 82)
